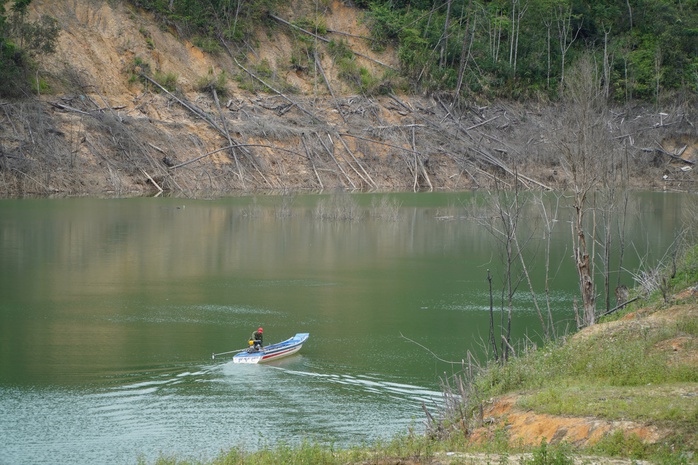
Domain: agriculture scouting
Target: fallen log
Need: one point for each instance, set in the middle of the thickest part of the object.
(278, 92)
(336, 161)
(326, 40)
(312, 162)
(227, 134)
(228, 147)
(329, 87)
(346, 147)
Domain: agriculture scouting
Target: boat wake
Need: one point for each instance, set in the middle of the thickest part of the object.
(207, 408)
(375, 385)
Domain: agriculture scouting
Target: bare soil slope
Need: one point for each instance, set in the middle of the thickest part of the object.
(284, 120)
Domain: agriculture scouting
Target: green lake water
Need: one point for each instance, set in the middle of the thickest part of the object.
(110, 310)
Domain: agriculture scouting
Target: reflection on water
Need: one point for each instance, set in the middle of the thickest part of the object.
(199, 413)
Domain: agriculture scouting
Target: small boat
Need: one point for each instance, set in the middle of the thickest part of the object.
(274, 351)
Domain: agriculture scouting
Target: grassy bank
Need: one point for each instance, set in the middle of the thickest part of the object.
(637, 367)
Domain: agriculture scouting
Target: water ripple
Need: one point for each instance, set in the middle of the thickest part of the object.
(204, 409)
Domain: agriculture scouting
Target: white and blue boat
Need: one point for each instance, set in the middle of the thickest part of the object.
(274, 351)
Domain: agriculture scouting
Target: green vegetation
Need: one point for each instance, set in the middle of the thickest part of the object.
(263, 77)
(511, 48)
(623, 360)
(21, 41)
(620, 372)
(469, 48)
(211, 82)
(166, 80)
(546, 455)
(501, 48)
(308, 453)
(212, 20)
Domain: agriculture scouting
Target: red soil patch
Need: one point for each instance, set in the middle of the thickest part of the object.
(530, 429)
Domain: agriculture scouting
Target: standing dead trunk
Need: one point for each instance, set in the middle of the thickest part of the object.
(583, 262)
(444, 46)
(566, 38)
(464, 52)
(493, 339)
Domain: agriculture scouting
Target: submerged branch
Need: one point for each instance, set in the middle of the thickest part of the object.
(430, 351)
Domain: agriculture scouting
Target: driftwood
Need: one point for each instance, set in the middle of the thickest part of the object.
(377, 142)
(411, 151)
(455, 120)
(222, 130)
(482, 123)
(227, 135)
(401, 103)
(188, 162)
(486, 156)
(257, 78)
(235, 145)
(69, 108)
(117, 117)
(107, 107)
(278, 92)
(157, 148)
(312, 162)
(160, 191)
(332, 31)
(400, 126)
(335, 161)
(349, 163)
(673, 156)
(418, 159)
(620, 306)
(4, 110)
(506, 342)
(366, 179)
(193, 108)
(497, 162)
(329, 87)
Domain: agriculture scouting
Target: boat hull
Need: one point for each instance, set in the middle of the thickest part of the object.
(274, 351)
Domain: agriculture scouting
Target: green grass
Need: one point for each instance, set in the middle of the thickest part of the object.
(659, 404)
(212, 81)
(305, 453)
(550, 455)
(627, 371)
(166, 80)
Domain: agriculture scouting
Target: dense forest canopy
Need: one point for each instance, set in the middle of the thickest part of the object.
(21, 41)
(644, 49)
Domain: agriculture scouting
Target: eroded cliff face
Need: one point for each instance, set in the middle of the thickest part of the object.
(280, 123)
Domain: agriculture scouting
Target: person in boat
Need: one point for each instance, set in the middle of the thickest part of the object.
(256, 339)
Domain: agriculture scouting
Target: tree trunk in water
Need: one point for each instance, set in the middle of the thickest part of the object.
(586, 282)
(493, 340)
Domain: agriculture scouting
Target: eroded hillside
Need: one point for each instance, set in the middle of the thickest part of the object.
(131, 109)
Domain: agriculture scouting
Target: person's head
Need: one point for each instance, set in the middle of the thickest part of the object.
(260, 330)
